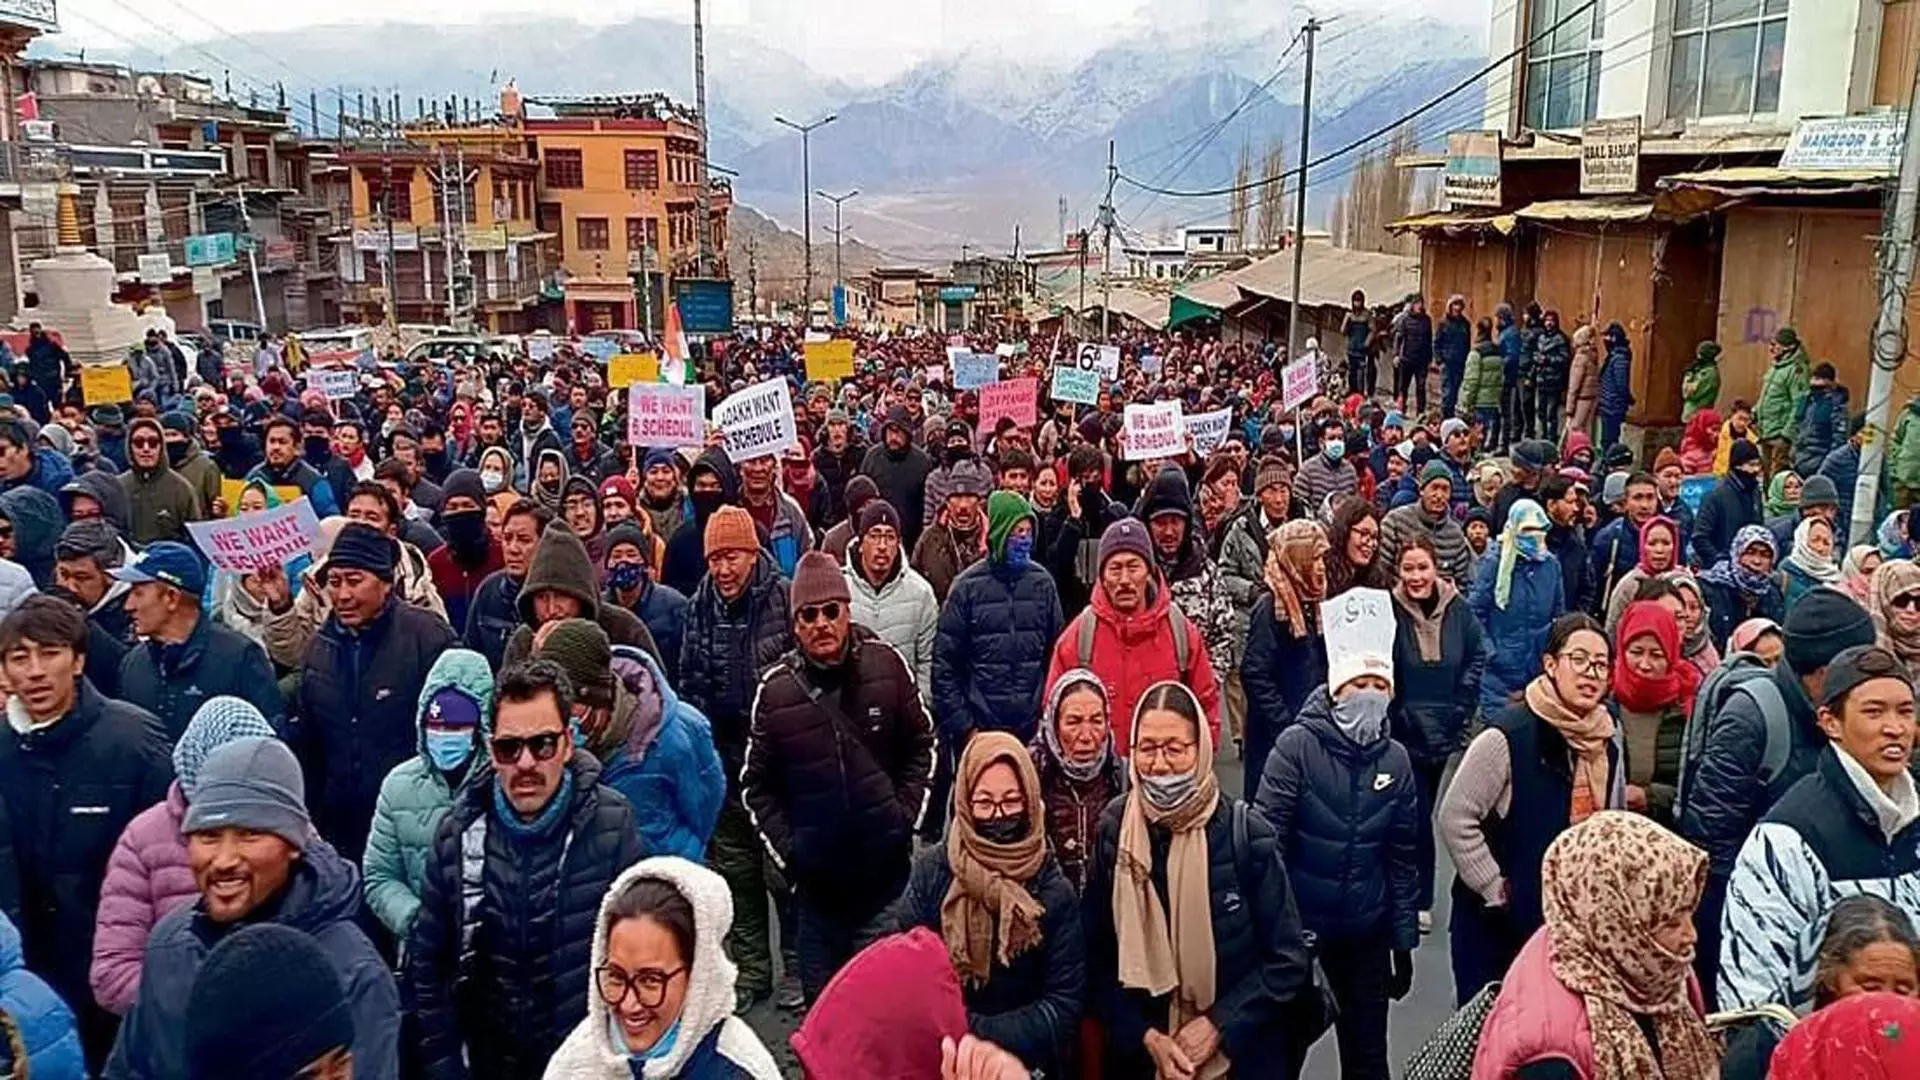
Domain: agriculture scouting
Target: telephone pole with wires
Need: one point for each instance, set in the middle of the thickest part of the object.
(1294, 342)
(1890, 332)
(1106, 255)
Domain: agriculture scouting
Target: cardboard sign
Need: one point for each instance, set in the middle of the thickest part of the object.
(936, 374)
(105, 384)
(254, 541)
(1155, 431)
(1015, 398)
(626, 369)
(1075, 385)
(829, 360)
(1359, 622)
(1104, 359)
(659, 415)
(1694, 489)
(757, 421)
(1209, 430)
(1299, 381)
(957, 352)
(975, 370)
(1150, 363)
(335, 383)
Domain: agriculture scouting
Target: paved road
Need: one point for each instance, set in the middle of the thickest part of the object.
(1430, 1002)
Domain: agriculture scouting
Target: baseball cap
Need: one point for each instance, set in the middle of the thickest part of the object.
(168, 563)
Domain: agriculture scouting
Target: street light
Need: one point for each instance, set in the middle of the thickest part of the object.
(806, 184)
(839, 283)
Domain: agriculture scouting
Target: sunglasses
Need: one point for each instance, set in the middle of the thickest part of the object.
(813, 613)
(1906, 601)
(506, 749)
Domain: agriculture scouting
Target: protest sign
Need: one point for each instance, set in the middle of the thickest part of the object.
(829, 360)
(1014, 398)
(1209, 430)
(936, 374)
(1694, 489)
(1072, 384)
(1155, 431)
(1298, 382)
(971, 371)
(105, 384)
(1360, 623)
(1010, 348)
(254, 541)
(757, 421)
(627, 369)
(1104, 359)
(1150, 363)
(956, 353)
(660, 415)
(334, 383)
(600, 348)
(539, 347)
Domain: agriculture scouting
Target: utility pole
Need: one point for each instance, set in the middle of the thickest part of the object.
(1294, 322)
(1079, 312)
(806, 203)
(1106, 272)
(839, 283)
(1889, 333)
(447, 226)
(253, 260)
(702, 197)
(753, 277)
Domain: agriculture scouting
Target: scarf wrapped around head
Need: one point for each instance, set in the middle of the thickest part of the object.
(1777, 503)
(1748, 634)
(1815, 565)
(1168, 949)
(1653, 694)
(1892, 536)
(1068, 682)
(988, 915)
(1292, 549)
(1697, 644)
(1855, 581)
(1894, 579)
(1673, 558)
(1731, 573)
(1607, 884)
(1525, 516)
(1864, 1037)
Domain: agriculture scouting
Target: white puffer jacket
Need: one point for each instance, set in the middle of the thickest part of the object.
(902, 612)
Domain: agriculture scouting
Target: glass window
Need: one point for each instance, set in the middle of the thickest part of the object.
(643, 170)
(1563, 70)
(592, 233)
(564, 169)
(1726, 57)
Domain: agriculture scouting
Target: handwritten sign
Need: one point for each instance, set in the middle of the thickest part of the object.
(104, 384)
(659, 415)
(1014, 399)
(626, 369)
(1104, 359)
(1209, 430)
(1155, 431)
(956, 352)
(1075, 385)
(1298, 382)
(254, 541)
(335, 383)
(539, 346)
(829, 360)
(1359, 624)
(757, 421)
(975, 370)
(1150, 363)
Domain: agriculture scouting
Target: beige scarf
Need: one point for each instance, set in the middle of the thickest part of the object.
(988, 914)
(1587, 736)
(1292, 549)
(1169, 948)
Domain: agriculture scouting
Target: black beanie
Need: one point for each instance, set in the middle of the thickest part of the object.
(1741, 453)
(265, 1004)
(465, 482)
(629, 533)
(1824, 622)
(362, 547)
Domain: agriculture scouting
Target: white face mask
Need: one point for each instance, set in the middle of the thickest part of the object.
(1361, 715)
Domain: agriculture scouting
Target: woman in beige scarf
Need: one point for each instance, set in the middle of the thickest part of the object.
(1895, 607)
(1202, 982)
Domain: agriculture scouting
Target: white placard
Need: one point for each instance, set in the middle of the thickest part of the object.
(335, 383)
(1104, 359)
(1360, 621)
(249, 542)
(1155, 431)
(1299, 381)
(1209, 430)
(659, 415)
(155, 269)
(539, 347)
(757, 421)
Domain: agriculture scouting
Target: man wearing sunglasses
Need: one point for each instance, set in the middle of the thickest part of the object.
(513, 929)
(837, 768)
(162, 502)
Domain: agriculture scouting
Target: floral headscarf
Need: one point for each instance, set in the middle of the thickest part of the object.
(1607, 884)
(1729, 571)
(1872, 1036)
(1292, 549)
(1895, 578)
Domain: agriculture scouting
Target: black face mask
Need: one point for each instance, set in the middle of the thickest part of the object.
(706, 502)
(466, 532)
(318, 449)
(177, 452)
(233, 439)
(1002, 830)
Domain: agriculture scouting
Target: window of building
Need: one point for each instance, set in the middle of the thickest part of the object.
(1726, 57)
(1563, 68)
(547, 217)
(396, 204)
(642, 233)
(257, 169)
(565, 170)
(643, 170)
(130, 224)
(591, 233)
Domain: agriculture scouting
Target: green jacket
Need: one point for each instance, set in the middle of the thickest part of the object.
(1903, 453)
(1699, 388)
(1781, 392)
(1484, 379)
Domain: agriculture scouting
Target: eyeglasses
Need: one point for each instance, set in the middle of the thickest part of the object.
(1594, 666)
(1165, 752)
(1906, 600)
(507, 748)
(1011, 806)
(813, 613)
(648, 986)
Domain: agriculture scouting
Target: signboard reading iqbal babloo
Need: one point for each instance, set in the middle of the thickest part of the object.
(1610, 157)
(1473, 169)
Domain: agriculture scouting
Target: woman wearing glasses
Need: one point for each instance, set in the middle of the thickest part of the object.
(661, 1004)
(1894, 601)
(1546, 762)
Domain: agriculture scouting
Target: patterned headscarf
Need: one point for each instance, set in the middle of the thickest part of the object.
(1607, 884)
(1731, 573)
(1292, 549)
(218, 721)
(1525, 516)
(1864, 1037)
(1895, 578)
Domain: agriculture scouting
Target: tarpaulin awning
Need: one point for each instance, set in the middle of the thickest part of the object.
(1455, 221)
(1185, 309)
(1748, 181)
(1330, 275)
(1589, 210)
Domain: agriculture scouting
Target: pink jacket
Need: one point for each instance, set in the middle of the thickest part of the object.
(147, 877)
(1536, 1018)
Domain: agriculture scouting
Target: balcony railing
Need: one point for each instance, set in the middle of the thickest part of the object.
(28, 162)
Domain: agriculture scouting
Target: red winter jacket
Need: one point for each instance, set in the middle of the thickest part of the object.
(1131, 653)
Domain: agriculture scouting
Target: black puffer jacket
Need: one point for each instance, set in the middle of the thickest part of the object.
(838, 815)
(493, 616)
(1432, 702)
(991, 650)
(1261, 962)
(1553, 359)
(1348, 821)
(1031, 1007)
(359, 693)
(725, 647)
(173, 681)
(510, 995)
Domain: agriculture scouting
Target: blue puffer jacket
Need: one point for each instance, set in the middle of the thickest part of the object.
(45, 1022)
(415, 796)
(668, 767)
(991, 652)
(51, 471)
(1616, 376)
(1823, 426)
(1348, 822)
(1517, 633)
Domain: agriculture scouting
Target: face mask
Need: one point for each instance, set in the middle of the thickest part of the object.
(449, 749)
(466, 531)
(493, 481)
(1530, 545)
(1019, 551)
(1002, 830)
(1362, 716)
(626, 577)
(1336, 450)
(1168, 792)
(318, 449)
(177, 452)
(706, 502)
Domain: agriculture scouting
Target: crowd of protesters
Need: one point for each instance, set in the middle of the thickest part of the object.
(555, 755)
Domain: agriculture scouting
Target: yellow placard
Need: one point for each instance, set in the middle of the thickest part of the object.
(105, 384)
(628, 368)
(829, 360)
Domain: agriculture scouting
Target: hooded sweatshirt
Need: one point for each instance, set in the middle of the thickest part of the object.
(686, 561)
(561, 564)
(161, 500)
(105, 489)
(37, 524)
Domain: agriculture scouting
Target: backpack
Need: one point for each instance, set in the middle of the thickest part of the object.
(1182, 640)
(1741, 673)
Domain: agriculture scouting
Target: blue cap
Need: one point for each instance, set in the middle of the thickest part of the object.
(169, 564)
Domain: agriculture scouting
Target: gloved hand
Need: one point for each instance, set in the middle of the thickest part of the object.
(1401, 979)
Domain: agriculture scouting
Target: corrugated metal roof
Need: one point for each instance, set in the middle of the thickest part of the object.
(1147, 308)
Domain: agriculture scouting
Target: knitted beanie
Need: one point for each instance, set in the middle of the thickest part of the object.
(1272, 470)
(1820, 626)
(362, 547)
(1435, 470)
(816, 580)
(1742, 452)
(627, 532)
(1005, 511)
(266, 1003)
(1668, 457)
(860, 489)
(731, 529)
(881, 512)
(218, 721)
(582, 650)
(1125, 537)
(252, 783)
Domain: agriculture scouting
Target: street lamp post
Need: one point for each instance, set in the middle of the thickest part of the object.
(839, 282)
(806, 184)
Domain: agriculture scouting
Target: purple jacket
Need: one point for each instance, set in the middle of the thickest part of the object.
(147, 877)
